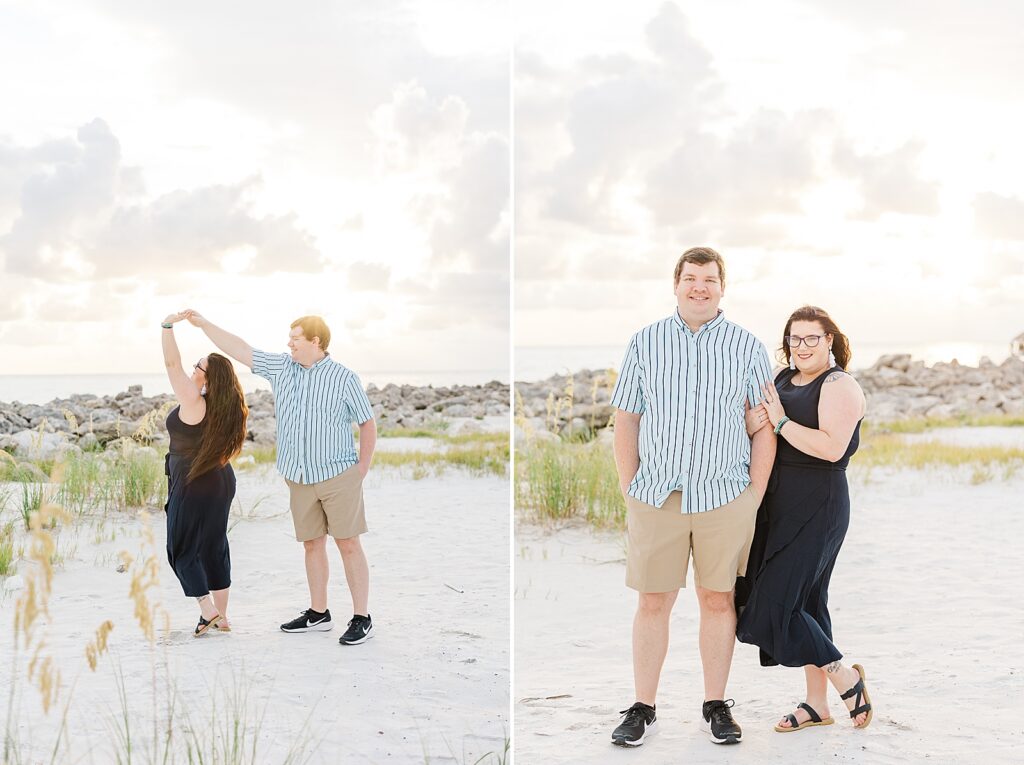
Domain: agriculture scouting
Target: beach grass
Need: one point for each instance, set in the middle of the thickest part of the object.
(559, 480)
(7, 549)
(923, 424)
(890, 450)
(31, 501)
(484, 457)
(562, 479)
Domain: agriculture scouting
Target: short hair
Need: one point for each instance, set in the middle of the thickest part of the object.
(701, 256)
(314, 326)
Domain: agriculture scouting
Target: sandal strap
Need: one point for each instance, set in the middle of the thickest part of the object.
(859, 710)
(858, 689)
(791, 719)
(810, 711)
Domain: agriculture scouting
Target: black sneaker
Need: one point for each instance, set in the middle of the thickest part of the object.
(719, 724)
(310, 621)
(360, 629)
(637, 722)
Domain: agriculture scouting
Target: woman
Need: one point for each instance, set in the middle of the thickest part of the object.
(815, 408)
(206, 429)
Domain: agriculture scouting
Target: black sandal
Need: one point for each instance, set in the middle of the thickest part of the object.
(861, 693)
(204, 626)
(794, 725)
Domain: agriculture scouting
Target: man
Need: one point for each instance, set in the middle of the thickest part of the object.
(692, 480)
(316, 401)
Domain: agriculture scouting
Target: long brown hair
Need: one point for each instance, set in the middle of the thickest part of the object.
(224, 431)
(840, 342)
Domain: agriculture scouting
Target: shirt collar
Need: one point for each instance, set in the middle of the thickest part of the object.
(317, 365)
(708, 326)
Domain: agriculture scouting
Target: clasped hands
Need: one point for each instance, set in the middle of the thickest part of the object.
(194, 318)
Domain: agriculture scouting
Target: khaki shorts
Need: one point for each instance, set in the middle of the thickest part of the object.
(334, 506)
(660, 540)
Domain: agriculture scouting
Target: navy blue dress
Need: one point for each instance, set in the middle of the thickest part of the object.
(801, 524)
(197, 513)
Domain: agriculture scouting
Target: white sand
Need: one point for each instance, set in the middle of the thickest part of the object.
(926, 595)
(433, 683)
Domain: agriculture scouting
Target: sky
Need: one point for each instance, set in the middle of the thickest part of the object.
(863, 157)
(255, 164)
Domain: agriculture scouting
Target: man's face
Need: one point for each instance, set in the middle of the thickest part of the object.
(699, 292)
(305, 352)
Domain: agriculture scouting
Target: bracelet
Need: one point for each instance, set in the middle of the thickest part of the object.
(166, 325)
(782, 422)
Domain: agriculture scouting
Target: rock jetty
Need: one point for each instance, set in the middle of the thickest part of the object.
(87, 421)
(897, 388)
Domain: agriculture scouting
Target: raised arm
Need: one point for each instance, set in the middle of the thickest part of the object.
(840, 408)
(193, 406)
(626, 447)
(232, 345)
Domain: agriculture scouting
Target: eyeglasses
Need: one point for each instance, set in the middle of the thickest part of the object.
(811, 341)
(196, 366)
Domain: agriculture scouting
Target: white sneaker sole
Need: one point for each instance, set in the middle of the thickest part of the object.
(363, 639)
(706, 726)
(318, 627)
(647, 732)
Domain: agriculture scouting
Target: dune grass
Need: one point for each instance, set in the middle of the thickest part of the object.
(556, 481)
(923, 424)
(7, 549)
(890, 450)
(484, 457)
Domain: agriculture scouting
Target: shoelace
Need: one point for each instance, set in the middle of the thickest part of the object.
(633, 716)
(720, 711)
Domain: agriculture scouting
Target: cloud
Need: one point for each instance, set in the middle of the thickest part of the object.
(999, 217)
(368, 276)
(644, 150)
(195, 229)
(889, 181)
(78, 217)
(760, 168)
(460, 176)
(78, 182)
(321, 70)
(445, 300)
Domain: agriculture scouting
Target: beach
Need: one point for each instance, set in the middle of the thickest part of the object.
(921, 596)
(432, 686)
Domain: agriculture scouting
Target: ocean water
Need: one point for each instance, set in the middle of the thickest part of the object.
(40, 389)
(540, 362)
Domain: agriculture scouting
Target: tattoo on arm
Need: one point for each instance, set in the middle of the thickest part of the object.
(833, 377)
(833, 667)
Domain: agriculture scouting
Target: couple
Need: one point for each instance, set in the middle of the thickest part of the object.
(316, 401)
(696, 432)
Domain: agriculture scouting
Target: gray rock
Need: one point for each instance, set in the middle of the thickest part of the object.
(33, 445)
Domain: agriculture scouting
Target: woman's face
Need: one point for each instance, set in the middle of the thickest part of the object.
(199, 371)
(807, 359)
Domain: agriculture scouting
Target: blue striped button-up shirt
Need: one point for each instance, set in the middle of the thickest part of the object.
(315, 409)
(689, 389)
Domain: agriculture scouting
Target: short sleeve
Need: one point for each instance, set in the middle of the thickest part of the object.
(629, 394)
(268, 365)
(357, 401)
(759, 374)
